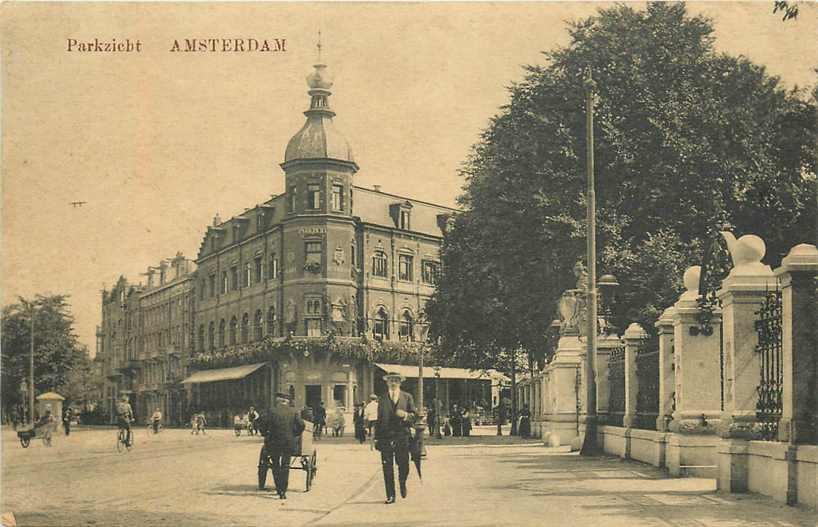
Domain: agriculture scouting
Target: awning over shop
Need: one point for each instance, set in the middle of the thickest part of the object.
(445, 373)
(223, 374)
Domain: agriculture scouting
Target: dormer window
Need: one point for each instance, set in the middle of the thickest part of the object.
(401, 214)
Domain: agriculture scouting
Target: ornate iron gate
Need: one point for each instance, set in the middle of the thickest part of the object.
(770, 389)
(647, 375)
(616, 386)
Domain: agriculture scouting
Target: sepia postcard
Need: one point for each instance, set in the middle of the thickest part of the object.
(223, 222)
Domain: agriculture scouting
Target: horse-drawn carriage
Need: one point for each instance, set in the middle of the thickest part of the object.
(304, 457)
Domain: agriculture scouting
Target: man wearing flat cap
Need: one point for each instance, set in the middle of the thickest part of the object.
(396, 415)
(281, 427)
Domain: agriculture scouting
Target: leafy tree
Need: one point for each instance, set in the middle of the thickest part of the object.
(56, 349)
(687, 139)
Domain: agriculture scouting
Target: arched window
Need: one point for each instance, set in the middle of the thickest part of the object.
(380, 326)
(257, 326)
(234, 326)
(211, 335)
(245, 328)
(202, 337)
(271, 321)
(405, 327)
(222, 327)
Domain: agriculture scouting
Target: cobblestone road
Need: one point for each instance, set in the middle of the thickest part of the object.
(179, 479)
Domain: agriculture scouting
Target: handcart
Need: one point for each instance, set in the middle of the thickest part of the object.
(41, 430)
(304, 457)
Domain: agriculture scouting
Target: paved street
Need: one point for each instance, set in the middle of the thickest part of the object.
(179, 479)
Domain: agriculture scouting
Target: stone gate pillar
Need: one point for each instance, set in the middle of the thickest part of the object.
(667, 381)
(634, 336)
(799, 342)
(692, 447)
(742, 293)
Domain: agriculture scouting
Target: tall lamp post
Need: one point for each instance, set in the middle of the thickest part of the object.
(420, 425)
(438, 406)
(589, 444)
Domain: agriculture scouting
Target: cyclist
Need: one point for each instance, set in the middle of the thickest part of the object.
(124, 416)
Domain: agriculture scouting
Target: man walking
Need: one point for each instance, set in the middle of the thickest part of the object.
(280, 426)
(396, 414)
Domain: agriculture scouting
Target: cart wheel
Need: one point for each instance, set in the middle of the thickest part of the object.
(262, 476)
(25, 442)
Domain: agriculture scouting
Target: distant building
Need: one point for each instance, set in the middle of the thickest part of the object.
(145, 338)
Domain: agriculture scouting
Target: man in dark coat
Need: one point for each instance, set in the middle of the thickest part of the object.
(396, 414)
(281, 427)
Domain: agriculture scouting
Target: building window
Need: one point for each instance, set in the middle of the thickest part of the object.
(222, 326)
(234, 277)
(338, 197)
(273, 266)
(380, 325)
(258, 326)
(291, 200)
(405, 267)
(259, 270)
(202, 337)
(313, 307)
(313, 327)
(271, 321)
(233, 329)
(405, 327)
(211, 285)
(430, 270)
(202, 287)
(379, 264)
(312, 253)
(404, 220)
(211, 335)
(245, 328)
(313, 197)
(225, 283)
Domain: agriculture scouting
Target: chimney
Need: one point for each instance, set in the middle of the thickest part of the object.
(217, 220)
(377, 188)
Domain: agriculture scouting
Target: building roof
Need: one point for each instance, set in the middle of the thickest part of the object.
(372, 207)
(50, 396)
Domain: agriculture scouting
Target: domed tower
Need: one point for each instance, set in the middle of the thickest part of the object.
(318, 163)
(319, 230)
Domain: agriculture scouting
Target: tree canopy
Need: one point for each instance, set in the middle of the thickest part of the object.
(56, 348)
(686, 140)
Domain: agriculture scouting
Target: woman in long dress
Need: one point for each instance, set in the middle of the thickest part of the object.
(456, 422)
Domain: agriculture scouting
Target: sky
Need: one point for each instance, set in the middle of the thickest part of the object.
(156, 143)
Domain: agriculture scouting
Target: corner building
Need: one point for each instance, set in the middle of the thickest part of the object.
(324, 262)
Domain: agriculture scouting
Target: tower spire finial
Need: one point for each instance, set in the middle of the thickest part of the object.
(319, 46)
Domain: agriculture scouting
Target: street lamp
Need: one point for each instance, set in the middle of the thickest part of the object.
(438, 406)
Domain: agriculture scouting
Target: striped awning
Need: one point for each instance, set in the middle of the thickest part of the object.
(223, 374)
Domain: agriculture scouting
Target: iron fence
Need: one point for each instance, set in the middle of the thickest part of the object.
(616, 386)
(770, 388)
(647, 375)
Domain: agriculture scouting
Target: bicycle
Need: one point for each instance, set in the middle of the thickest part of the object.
(150, 431)
(124, 440)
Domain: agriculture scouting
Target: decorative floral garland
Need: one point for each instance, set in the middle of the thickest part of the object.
(274, 349)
